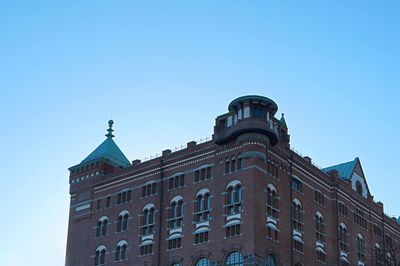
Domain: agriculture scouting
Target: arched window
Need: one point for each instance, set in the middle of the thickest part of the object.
(359, 188)
(101, 229)
(234, 259)
(270, 261)
(147, 225)
(120, 251)
(378, 255)
(122, 224)
(234, 197)
(390, 261)
(175, 264)
(202, 206)
(176, 212)
(297, 214)
(319, 227)
(100, 256)
(343, 238)
(272, 202)
(203, 262)
(360, 247)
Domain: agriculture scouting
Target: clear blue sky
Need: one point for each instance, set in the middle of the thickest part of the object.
(163, 70)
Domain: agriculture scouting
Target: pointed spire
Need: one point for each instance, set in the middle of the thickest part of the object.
(110, 130)
(283, 121)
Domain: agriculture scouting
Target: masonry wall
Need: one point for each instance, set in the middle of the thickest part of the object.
(253, 242)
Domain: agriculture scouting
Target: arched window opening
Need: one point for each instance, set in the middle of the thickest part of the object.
(297, 214)
(234, 259)
(100, 256)
(234, 199)
(203, 262)
(101, 229)
(343, 238)
(147, 226)
(122, 224)
(360, 248)
(272, 202)
(270, 261)
(359, 189)
(176, 214)
(202, 207)
(319, 228)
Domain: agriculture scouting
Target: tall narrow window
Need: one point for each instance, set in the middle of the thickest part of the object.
(378, 255)
(176, 213)
(122, 224)
(297, 214)
(319, 198)
(120, 251)
(98, 204)
(202, 206)
(100, 256)
(233, 199)
(101, 229)
(343, 238)
(319, 228)
(360, 248)
(272, 202)
(147, 224)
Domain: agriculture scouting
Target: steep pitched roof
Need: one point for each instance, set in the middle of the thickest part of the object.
(108, 150)
(345, 170)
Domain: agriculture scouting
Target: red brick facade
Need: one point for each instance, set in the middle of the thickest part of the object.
(244, 191)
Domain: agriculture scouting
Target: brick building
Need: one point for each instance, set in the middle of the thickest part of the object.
(242, 198)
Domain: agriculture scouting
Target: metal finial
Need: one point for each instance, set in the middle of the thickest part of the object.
(110, 130)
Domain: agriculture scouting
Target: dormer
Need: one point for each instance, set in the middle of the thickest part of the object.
(249, 118)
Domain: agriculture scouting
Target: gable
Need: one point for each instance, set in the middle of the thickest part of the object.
(353, 172)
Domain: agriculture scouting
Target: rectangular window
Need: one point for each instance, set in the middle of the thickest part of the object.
(202, 174)
(297, 185)
(298, 246)
(98, 204)
(233, 230)
(377, 231)
(272, 234)
(149, 190)
(321, 257)
(226, 167)
(319, 198)
(174, 243)
(108, 202)
(342, 209)
(176, 182)
(124, 197)
(359, 218)
(146, 250)
(201, 238)
(239, 165)
(233, 165)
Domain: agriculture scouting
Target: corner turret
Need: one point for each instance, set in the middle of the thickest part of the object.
(250, 118)
(106, 158)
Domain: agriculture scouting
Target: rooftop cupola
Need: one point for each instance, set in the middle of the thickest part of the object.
(250, 118)
(106, 158)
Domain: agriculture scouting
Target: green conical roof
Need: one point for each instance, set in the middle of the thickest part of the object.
(108, 150)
